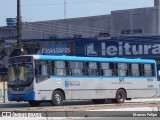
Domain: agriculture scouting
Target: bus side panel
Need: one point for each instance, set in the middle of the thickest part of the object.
(90, 94)
(140, 93)
(102, 94)
(96, 87)
(44, 95)
(80, 94)
(46, 88)
(106, 87)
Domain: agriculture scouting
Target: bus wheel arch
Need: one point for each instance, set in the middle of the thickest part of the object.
(58, 96)
(121, 96)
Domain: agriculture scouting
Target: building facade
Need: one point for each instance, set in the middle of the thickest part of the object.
(141, 21)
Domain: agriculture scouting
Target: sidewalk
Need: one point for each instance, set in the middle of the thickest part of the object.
(156, 99)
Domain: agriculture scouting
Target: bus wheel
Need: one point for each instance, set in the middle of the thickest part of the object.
(34, 103)
(98, 101)
(120, 96)
(57, 98)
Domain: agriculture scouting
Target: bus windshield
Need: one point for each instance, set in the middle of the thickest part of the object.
(20, 74)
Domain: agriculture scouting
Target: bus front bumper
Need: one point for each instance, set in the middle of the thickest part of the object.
(21, 97)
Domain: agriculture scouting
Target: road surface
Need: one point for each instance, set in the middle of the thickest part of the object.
(135, 108)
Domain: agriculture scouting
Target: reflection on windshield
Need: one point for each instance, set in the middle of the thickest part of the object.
(20, 74)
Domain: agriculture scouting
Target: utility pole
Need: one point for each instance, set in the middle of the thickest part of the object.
(19, 25)
(19, 50)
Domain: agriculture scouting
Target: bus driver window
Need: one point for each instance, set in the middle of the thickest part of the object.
(41, 71)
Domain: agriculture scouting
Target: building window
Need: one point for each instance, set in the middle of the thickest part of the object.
(139, 31)
(134, 32)
(128, 31)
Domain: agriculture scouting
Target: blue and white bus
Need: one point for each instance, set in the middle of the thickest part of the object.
(41, 78)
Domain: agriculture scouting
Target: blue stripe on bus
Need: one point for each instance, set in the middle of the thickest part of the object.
(22, 97)
(74, 58)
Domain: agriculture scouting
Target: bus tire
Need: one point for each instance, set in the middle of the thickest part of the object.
(57, 98)
(98, 101)
(120, 96)
(34, 103)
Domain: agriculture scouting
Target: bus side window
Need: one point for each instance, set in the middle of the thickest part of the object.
(106, 69)
(41, 70)
(135, 69)
(147, 70)
(60, 68)
(37, 68)
(44, 68)
(76, 68)
(92, 68)
(122, 69)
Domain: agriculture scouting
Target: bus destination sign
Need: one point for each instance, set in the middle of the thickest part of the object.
(20, 59)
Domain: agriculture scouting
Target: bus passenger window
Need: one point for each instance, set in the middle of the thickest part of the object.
(147, 70)
(92, 69)
(135, 69)
(122, 69)
(106, 71)
(60, 68)
(76, 68)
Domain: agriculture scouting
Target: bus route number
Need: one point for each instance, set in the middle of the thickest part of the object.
(121, 80)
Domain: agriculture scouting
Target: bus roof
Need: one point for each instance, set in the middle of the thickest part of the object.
(76, 58)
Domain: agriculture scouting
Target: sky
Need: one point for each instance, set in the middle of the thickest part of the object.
(41, 10)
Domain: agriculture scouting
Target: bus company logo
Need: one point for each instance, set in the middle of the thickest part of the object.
(72, 83)
(66, 84)
(121, 49)
(61, 49)
(89, 50)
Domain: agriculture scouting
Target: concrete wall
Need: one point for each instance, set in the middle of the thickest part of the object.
(143, 18)
(85, 26)
(157, 3)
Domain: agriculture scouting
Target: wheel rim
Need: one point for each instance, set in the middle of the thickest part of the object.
(57, 98)
(120, 97)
